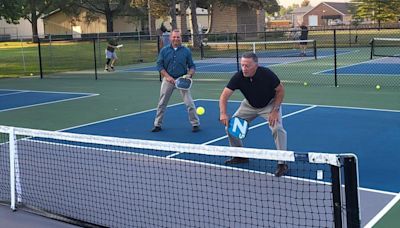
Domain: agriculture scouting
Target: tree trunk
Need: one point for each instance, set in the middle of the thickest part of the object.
(210, 19)
(110, 23)
(34, 19)
(182, 9)
(109, 17)
(173, 14)
(195, 27)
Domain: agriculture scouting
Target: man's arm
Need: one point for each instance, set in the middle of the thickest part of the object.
(112, 46)
(191, 72)
(191, 65)
(223, 101)
(160, 67)
(168, 77)
(279, 94)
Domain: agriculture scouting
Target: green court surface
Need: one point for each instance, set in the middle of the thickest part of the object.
(390, 219)
(123, 92)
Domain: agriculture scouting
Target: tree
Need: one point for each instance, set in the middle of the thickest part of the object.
(109, 8)
(377, 10)
(155, 9)
(305, 3)
(30, 10)
(270, 6)
(11, 11)
(195, 27)
(182, 12)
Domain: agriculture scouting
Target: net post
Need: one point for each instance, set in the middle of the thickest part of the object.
(315, 49)
(372, 47)
(351, 191)
(40, 58)
(237, 51)
(265, 40)
(335, 56)
(337, 204)
(158, 52)
(95, 58)
(140, 60)
(11, 137)
(201, 50)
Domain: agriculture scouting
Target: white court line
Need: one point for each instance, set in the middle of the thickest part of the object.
(346, 107)
(12, 93)
(238, 101)
(117, 117)
(380, 215)
(130, 114)
(252, 127)
(44, 91)
(354, 64)
(50, 102)
(319, 105)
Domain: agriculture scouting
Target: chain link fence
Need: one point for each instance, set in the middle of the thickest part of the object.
(339, 57)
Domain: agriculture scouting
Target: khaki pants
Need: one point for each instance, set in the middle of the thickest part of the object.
(165, 94)
(249, 113)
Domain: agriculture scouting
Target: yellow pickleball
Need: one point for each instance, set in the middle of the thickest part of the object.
(200, 111)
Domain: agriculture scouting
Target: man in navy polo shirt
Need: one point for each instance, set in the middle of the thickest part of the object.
(263, 92)
(173, 62)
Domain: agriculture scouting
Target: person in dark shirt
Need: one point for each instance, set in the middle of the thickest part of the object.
(164, 36)
(263, 92)
(173, 62)
(303, 36)
(111, 56)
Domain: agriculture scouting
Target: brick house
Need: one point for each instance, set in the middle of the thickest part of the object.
(329, 13)
(57, 22)
(297, 15)
(240, 18)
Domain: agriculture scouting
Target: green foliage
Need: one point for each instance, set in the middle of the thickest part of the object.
(157, 8)
(377, 10)
(109, 8)
(30, 10)
(10, 10)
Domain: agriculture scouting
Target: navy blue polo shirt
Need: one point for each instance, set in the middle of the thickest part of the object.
(259, 89)
(175, 62)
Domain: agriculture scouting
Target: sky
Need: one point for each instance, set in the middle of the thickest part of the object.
(287, 3)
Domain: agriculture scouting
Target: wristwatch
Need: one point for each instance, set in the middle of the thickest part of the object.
(276, 108)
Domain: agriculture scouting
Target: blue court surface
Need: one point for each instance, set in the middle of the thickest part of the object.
(200, 67)
(310, 129)
(371, 134)
(17, 99)
(229, 65)
(383, 66)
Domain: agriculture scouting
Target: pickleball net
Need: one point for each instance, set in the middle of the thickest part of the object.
(116, 182)
(263, 49)
(385, 47)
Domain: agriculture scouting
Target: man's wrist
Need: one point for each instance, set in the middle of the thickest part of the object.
(276, 108)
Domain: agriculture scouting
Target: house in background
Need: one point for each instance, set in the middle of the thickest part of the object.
(57, 22)
(296, 16)
(202, 20)
(278, 24)
(23, 30)
(329, 13)
(240, 19)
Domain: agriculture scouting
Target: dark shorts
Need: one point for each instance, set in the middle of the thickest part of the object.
(303, 38)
